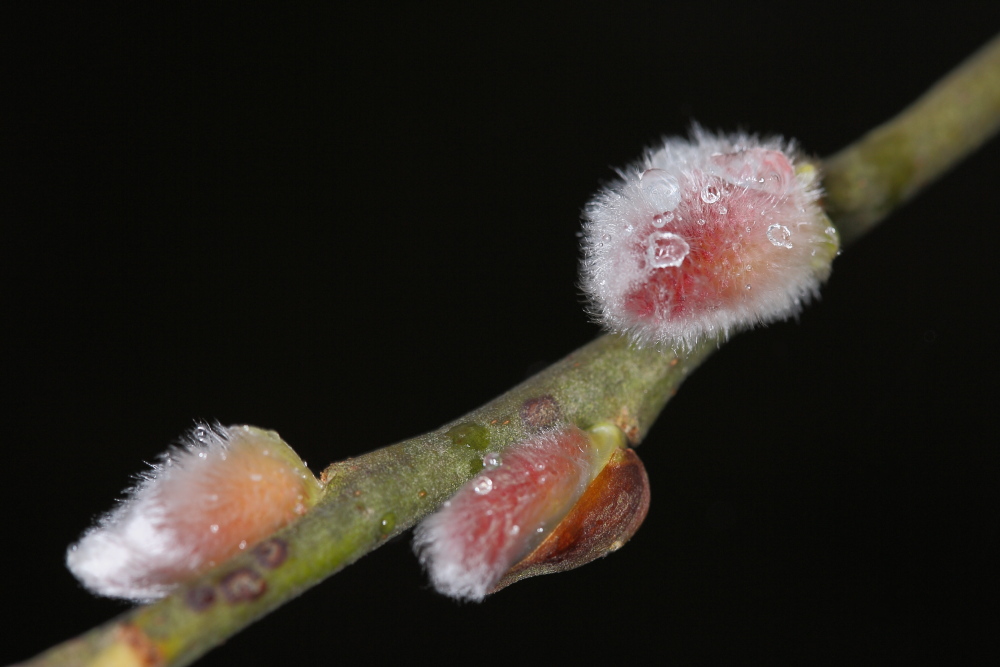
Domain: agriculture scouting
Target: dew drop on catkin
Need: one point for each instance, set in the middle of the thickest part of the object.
(498, 516)
(706, 237)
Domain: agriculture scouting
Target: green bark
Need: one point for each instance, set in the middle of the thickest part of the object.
(893, 162)
(373, 497)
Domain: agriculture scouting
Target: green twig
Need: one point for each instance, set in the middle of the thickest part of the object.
(893, 162)
(373, 497)
(370, 498)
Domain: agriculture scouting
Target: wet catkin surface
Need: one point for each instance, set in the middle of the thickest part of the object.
(354, 227)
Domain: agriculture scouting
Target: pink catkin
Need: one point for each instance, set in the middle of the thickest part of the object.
(704, 238)
(223, 491)
(503, 512)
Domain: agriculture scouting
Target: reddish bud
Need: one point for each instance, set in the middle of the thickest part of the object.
(603, 519)
(503, 512)
(706, 237)
(565, 497)
(223, 491)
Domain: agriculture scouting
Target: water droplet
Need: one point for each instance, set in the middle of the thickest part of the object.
(661, 189)
(387, 523)
(606, 237)
(748, 285)
(243, 544)
(701, 221)
(778, 235)
(710, 194)
(491, 461)
(539, 530)
(202, 455)
(515, 529)
(666, 249)
(662, 218)
(214, 528)
(483, 486)
(723, 210)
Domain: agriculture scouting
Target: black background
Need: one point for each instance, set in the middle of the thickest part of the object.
(354, 226)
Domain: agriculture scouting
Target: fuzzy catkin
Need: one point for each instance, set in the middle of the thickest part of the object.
(220, 492)
(498, 516)
(706, 237)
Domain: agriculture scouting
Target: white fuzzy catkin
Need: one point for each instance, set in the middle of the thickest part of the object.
(705, 237)
(218, 493)
(497, 517)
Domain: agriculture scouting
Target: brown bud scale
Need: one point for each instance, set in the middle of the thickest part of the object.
(603, 519)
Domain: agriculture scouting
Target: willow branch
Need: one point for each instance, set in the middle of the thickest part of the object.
(868, 179)
(368, 499)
